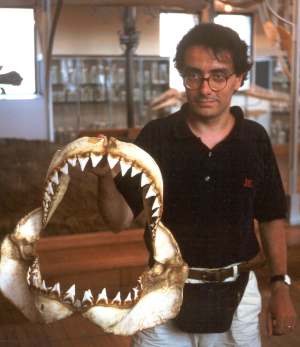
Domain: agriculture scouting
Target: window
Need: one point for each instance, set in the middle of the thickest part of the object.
(173, 26)
(17, 42)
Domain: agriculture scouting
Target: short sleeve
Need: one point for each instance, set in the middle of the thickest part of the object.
(270, 199)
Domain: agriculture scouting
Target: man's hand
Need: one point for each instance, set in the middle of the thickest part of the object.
(281, 315)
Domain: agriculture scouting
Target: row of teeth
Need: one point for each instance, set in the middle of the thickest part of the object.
(53, 181)
(34, 280)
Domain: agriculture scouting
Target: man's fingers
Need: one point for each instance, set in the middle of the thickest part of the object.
(269, 325)
(283, 326)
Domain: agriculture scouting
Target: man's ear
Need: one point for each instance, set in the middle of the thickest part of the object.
(239, 81)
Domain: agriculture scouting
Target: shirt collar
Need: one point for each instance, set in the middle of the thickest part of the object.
(182, 130)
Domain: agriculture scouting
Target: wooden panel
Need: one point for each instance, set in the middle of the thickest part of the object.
(89, 239)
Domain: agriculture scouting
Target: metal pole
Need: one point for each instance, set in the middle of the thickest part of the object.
(130, 39)
(293, 196)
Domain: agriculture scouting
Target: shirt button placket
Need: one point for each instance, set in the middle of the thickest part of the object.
(207, 178)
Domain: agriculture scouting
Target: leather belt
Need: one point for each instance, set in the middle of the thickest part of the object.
(221, 274)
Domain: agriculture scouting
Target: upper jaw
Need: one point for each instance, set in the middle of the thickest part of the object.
(158, 295)
(92, 150)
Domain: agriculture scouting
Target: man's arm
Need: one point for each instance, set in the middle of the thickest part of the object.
(112, 206)
(281, 312)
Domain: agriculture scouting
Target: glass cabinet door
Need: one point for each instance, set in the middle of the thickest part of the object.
(89, 93)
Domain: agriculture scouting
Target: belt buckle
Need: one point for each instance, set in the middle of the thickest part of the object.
(219, 277)
(212, 276)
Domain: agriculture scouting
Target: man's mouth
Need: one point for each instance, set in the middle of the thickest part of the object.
(205, 102)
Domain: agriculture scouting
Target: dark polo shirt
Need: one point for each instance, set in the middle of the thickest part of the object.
(211, 196)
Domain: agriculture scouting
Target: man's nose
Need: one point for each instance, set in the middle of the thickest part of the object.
(204, 87)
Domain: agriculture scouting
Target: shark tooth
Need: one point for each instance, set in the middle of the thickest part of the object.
(136, 293)
(95, 158)
(65, 169)
(155, 213)
(43, 286)
(83, 161)
(124, 167)
(88, 297)
(35, 282)
(45, 204)
(145, 180)
(56, 289)
(140, 283)
(55, 178)
(112, 161)
(28, 276)
(47, 197)
(155, 204)
(151, 192)
(128, 298)
(117, 299)
(49, 189)
(72, 161)
(70, 294)
(135, 171)
(102, 296)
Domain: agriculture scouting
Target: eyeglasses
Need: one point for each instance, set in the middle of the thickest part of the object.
(216, 81)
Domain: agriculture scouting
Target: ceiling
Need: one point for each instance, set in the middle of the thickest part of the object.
(188, 5)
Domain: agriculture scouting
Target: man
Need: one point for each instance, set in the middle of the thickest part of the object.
(219, 175)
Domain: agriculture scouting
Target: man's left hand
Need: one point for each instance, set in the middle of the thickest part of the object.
(281, 316)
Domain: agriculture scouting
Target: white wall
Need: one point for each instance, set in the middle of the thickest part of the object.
(24, 119)
(85, 30)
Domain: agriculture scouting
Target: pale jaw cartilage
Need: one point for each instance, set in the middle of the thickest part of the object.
(78, 150)
(164, 245)
(14, 264)
(157, 297)
(163, 283)
(150, 311)
(51, 304)
(49, 206)
(52, 309)
(81, 150)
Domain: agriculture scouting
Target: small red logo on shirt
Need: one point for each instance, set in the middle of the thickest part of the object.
(248, 183)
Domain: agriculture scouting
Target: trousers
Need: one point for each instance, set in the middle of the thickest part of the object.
(244, 331)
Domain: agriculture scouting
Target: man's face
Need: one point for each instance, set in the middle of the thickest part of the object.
(205, 102)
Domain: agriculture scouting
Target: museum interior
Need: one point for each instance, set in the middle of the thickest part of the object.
(76, 68)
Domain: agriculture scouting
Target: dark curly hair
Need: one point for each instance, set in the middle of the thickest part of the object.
(218, 38)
